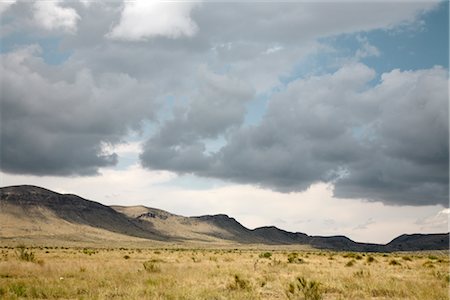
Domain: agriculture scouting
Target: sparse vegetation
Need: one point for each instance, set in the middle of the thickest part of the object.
(370, 259)
(151, 266)
(294, 259)
(350, 263)
(70, 273)
(308, 289)
(24, 254)
(394, 262)
(265, 255)
(239, 283)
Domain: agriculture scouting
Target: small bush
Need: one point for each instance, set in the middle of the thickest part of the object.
(432, 257)
(310, 289)
(393, 262)
(18, 289)
(265, 255)
(294, 259)
(239, 283)
(350, 263)
(126, 256)
(361, 274)
(151, 267)
(407, 258)
(24, 254)
(89, 251)
(370, 259)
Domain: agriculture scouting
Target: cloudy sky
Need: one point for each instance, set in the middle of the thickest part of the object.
(324, 118)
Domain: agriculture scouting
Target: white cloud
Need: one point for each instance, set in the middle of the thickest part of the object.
(86, 3)
(366, 50)
(142, 20)
(5, 4)
(130, 186)
(435, 222)
(50, 15)
(122, 148)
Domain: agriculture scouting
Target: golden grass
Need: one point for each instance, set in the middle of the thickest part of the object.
(77, 273)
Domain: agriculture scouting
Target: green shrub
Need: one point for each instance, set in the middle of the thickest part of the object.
(265, 255)
(24, 254)
(18, 289)
(350, 263)
(239, 283)
(310, 289)
(294, 259)
(393, 262)
(407, 258)
(89, 251)
(151, 267)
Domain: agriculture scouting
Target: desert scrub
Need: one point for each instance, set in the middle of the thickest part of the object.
(265, 255)
(294, 259)
(406, 258)
(151, 266)
(371, 259)
(89, 251)
(24, 254)
(239, 283)
(309, 289)
(394, 262)
(350, 263)
(18, 289)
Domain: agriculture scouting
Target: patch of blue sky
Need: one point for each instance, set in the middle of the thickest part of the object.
(52, 53)
(314, 64)
(125, 161)
(213, 145)
(256, 109)
(421, 45)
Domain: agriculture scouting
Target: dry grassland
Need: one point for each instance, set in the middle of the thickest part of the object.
(77, 273)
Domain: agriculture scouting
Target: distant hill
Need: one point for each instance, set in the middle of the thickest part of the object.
(30, 208)
(30, 211)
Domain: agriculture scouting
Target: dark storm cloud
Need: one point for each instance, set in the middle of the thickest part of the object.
(54, 126)
(387, 143)
(217, 107)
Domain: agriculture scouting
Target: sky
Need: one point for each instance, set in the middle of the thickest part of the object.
(328, 118)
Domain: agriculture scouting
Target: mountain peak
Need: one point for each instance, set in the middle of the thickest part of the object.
(26, 189)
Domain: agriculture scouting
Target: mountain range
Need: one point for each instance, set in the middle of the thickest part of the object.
(39, 215)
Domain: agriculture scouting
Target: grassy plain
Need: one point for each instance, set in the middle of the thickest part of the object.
(88, 273)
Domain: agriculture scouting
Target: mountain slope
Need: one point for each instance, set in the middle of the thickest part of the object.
(418, 242)
(42, 206)
(29, 211)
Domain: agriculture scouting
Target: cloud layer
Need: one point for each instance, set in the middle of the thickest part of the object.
(388, 142)
(55, 123)
(215, 91)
